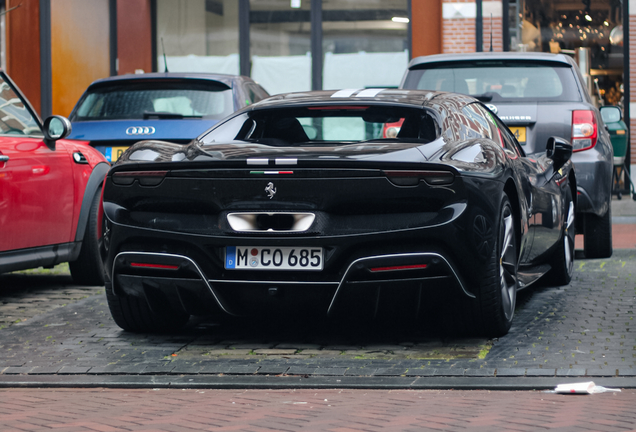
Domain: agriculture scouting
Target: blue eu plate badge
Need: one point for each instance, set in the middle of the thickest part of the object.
(230, 257)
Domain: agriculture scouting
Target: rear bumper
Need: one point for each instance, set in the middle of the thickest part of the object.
(594, 181)
(183, 282)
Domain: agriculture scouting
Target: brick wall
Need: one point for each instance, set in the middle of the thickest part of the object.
(458, 35)
(458, 25)
(497, 33)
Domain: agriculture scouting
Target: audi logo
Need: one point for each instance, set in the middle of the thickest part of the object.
(140, 130)
(492, 108)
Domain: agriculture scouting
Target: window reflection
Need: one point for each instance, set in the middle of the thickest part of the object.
(198, 35)
(280, 44)
(15, 119)
(365, 43)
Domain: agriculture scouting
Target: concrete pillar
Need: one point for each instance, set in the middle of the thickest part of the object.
(426, 27)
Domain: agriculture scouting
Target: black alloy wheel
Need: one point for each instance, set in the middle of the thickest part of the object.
(508, 264)
(563, 261)
(498, 289)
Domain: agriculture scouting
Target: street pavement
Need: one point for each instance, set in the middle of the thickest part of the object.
(64, 363)
(338, 410)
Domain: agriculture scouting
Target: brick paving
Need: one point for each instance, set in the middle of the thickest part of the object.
(27, 294)
(34, 410)
(585, 329)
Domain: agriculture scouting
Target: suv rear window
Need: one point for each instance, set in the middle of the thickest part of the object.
(498, 80)
(155, 99)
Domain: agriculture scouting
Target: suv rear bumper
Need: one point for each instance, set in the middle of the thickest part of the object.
(594, 181)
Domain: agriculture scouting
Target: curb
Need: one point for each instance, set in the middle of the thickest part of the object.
(301, 382)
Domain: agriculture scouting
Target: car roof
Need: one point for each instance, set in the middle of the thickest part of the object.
(414, 98)
(226, 79)
(514, 56)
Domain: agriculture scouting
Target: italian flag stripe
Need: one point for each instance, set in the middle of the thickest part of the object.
(271, 172)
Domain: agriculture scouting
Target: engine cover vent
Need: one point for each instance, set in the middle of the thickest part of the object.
(270, 222)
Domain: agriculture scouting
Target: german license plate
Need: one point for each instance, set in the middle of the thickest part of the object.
(520, 134)
(273, 258)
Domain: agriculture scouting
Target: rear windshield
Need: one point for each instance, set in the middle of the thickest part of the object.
(326, 125)
(157, 99)
(488, 80)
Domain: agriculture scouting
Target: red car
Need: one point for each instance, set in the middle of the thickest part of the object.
(50, 191)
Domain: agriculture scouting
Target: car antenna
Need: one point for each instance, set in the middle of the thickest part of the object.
(165, 61)
(490, 33)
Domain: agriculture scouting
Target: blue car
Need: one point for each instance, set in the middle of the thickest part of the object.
(116, 112)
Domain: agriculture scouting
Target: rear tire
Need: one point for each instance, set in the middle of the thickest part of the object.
(563, 258)
(497, 290)
(133, 314)
(597, 241)
(88, 268)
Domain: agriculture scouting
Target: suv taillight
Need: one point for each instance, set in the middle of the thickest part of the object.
(584, 130)
(391, 130)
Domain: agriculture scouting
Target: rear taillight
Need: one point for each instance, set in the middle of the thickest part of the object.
(400, 267)
(145, 178)
(412, 178)
(154, 266)
(584, 130)
(391, 130)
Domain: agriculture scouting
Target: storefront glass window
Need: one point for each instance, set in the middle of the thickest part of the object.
(365, 46)
(280, 44)
(589, 30)
(364, 43)
(198, 35)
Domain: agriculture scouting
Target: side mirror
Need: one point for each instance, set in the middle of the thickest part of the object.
(611, 114)
(55, 127)
(559, 150)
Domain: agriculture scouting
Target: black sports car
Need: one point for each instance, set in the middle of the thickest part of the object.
(338, 201)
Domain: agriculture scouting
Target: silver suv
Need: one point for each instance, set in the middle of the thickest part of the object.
(538, 95)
